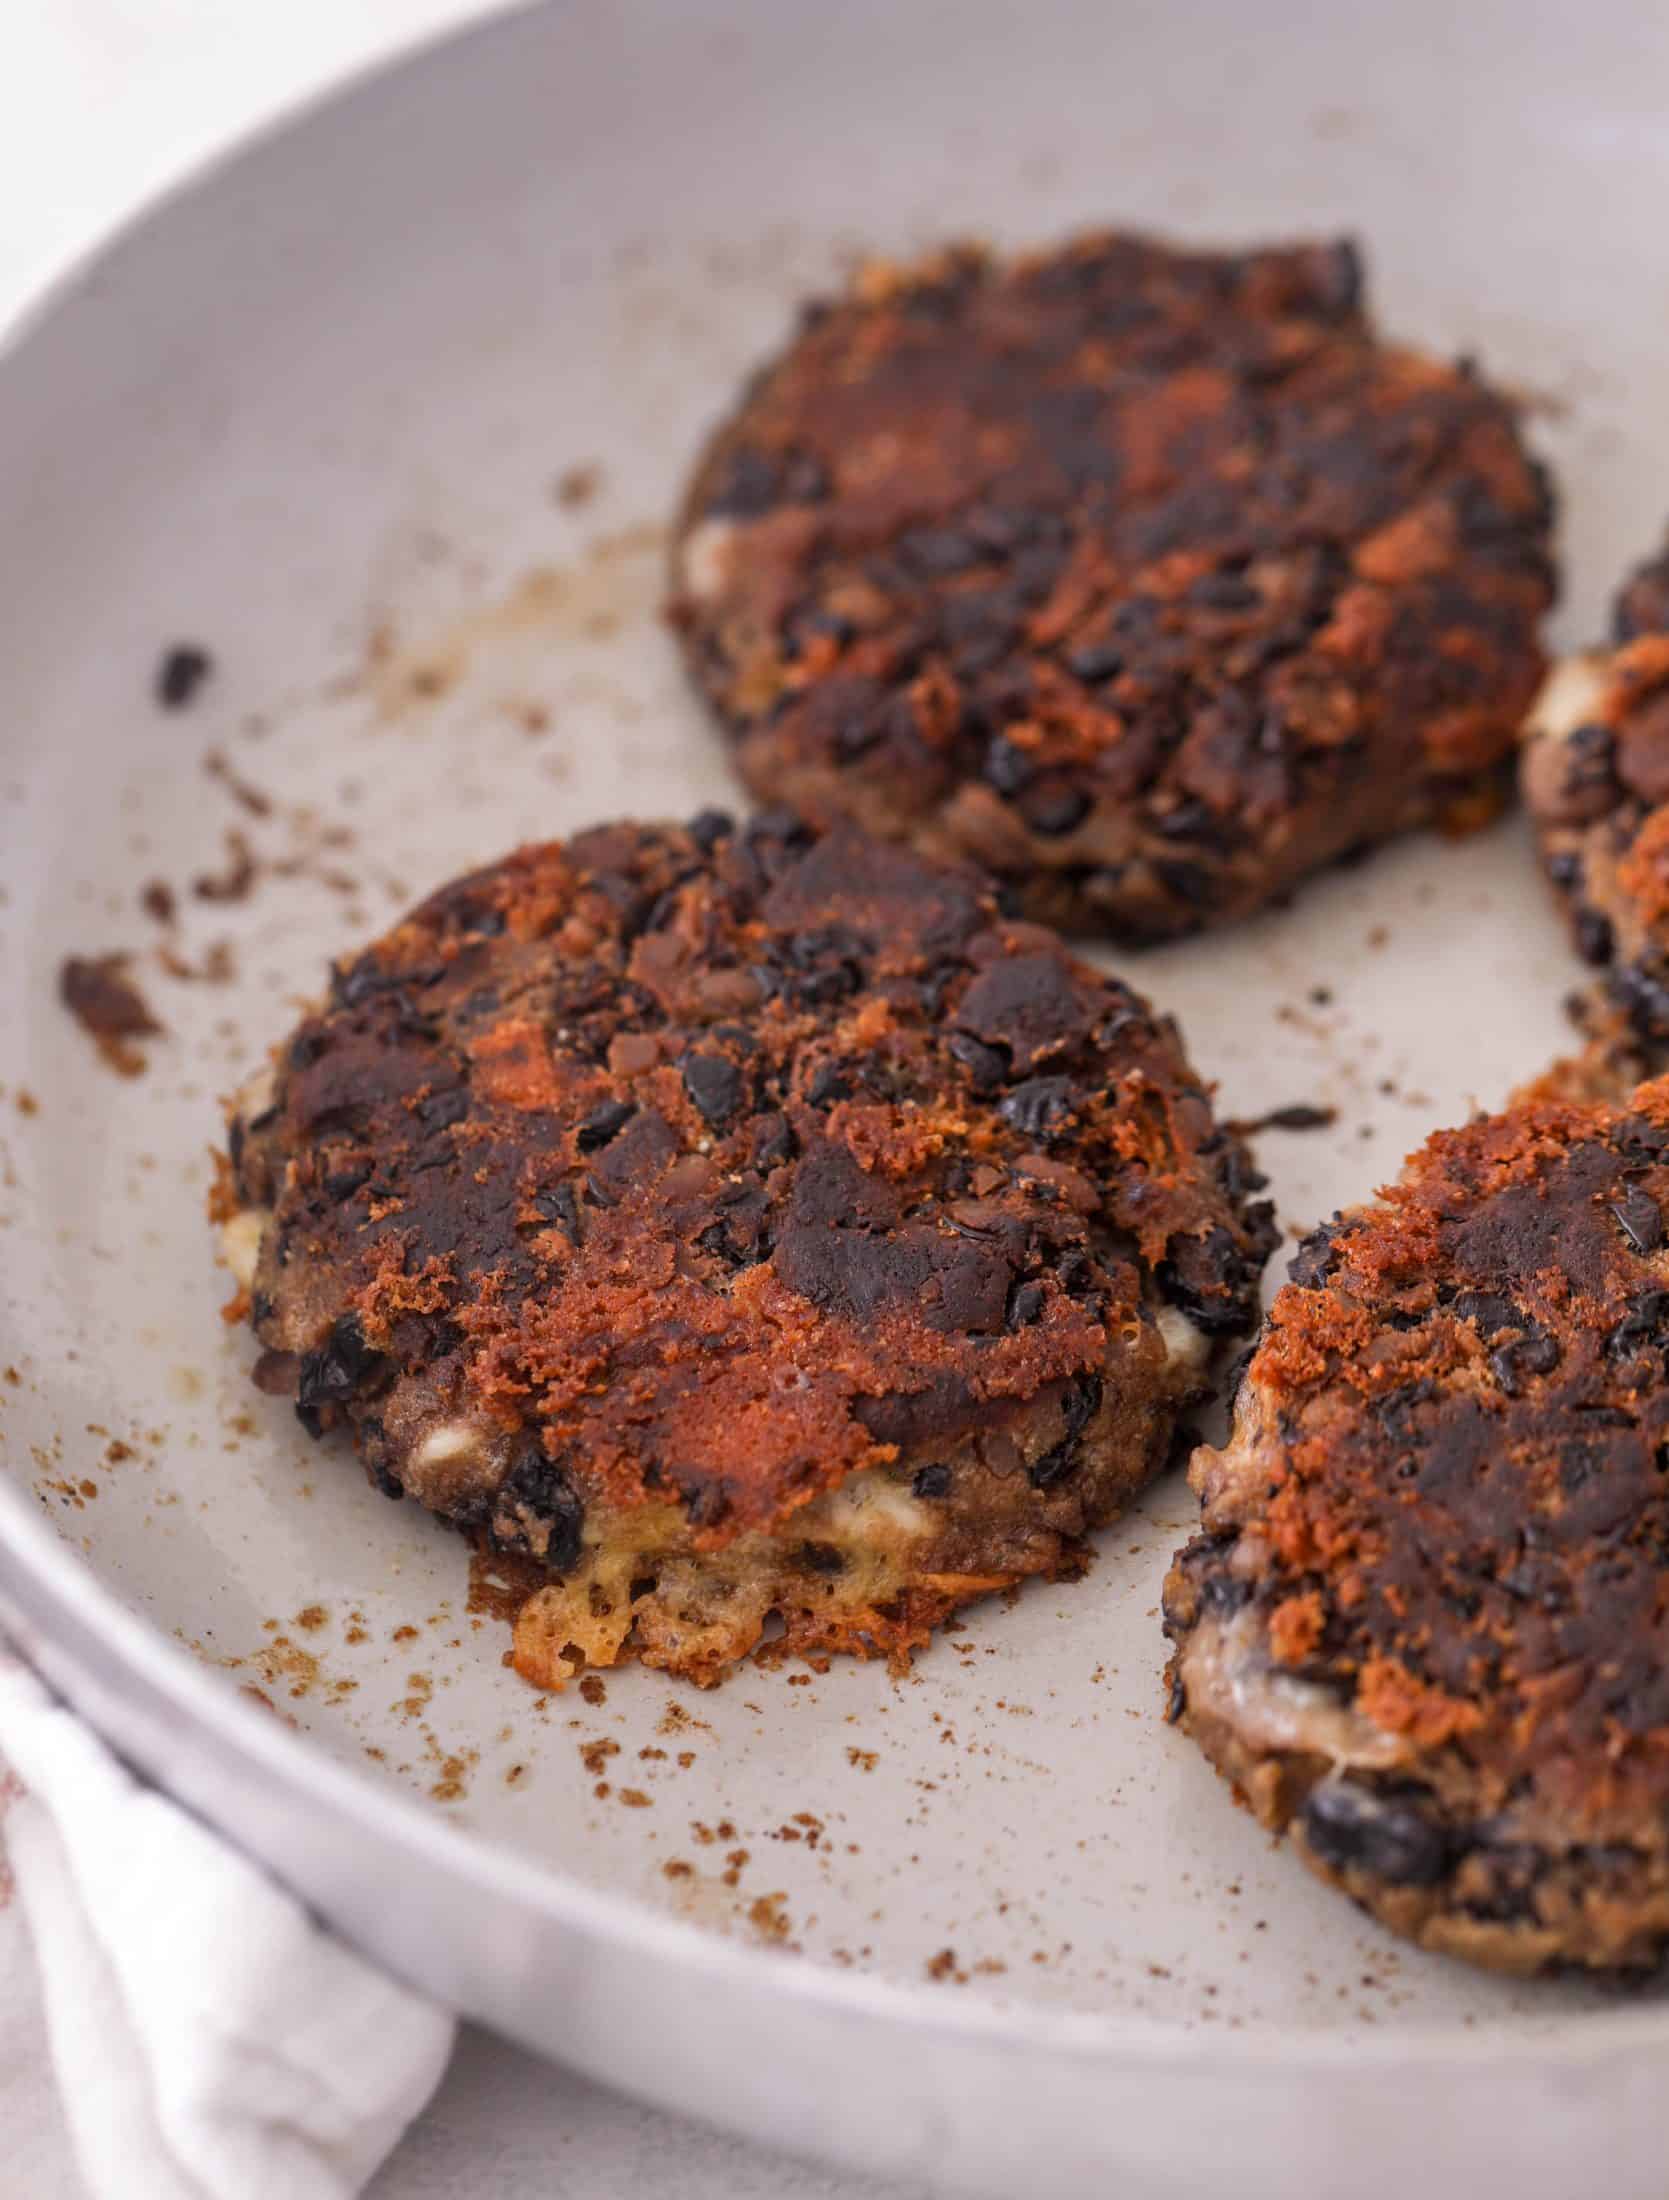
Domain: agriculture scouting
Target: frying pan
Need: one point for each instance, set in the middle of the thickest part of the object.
(386, 416)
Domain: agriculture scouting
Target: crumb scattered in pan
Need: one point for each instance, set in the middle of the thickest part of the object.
(109, 1007)
(768, 1918)
(180, 674)
(156, 898)
(218, 766)
(1301, 1115)
(576, 486)
(236, 880)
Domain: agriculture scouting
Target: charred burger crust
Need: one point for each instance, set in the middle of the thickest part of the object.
(1151, 579)
(1422, 1627)
(699, 1189)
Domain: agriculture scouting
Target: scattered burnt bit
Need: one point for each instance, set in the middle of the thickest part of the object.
(107, 1004)
(236, 881)
(181, 673)
(1440, 1528)
(1128, 662)
(633, 1195)
(1300, 1115)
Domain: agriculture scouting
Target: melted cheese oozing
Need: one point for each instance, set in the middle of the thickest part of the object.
(1570, 695)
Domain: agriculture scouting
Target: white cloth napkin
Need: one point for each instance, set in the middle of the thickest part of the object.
(209, 2040)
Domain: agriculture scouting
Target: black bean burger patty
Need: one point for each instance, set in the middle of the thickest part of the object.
(1151, 579)
(736, 1223)
(1425, 1626)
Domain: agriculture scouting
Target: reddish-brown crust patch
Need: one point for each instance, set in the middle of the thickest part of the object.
(1151, 578)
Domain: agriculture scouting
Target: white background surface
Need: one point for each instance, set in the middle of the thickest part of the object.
(102, 103)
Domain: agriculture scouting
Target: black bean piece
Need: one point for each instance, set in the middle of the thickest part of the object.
(559, 1205)
(538, 1509)
(986, 1067)
(1080, 1405)
(343, 1367)
(773, 1142)
(746, 486)
(832, 1082)
(1007, 767)
(1095, 660)
(933, 1481)
(1055, 810)
(1038, 1108)
(1352, 1829)
(715, 1086)
(1312, 1264)
(1594, 938)
(1639, 1218)
(604, 1122)
(708, 827)
(442, 1109)
(1026, 1303)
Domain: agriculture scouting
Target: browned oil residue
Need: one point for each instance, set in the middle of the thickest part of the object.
(768, 1917)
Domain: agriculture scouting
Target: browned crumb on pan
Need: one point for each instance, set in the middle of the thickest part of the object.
(107, 1004)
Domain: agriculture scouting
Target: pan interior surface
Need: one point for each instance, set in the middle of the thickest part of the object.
(388, 418)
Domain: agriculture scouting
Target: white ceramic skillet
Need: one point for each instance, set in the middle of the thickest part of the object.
(388, 415)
